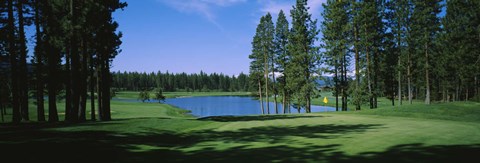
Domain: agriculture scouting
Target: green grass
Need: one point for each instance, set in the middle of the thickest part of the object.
(151, 132)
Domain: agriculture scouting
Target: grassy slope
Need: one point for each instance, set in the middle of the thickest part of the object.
(146, 132)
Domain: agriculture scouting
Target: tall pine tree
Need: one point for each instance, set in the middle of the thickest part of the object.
(303, 70)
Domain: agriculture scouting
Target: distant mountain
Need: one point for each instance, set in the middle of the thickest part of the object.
(325, 81)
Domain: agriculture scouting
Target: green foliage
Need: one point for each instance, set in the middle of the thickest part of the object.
(113, 92)
(283, 57)
(358, 94)
(201, 82)
(425, 28)
(144, 95)
(335, 43)
(302, 70)
(460, 42)
(159, 95)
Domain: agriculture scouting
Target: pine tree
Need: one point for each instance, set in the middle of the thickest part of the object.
(39, 62)
(267, 47)
(425, 27)
(282, 56)
(370, 35)
(16, 115)
(302, 72)
(398, 17)
(335, 41)
(460, 42)
(257, 64)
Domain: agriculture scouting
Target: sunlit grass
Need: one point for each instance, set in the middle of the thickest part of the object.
(152, 132)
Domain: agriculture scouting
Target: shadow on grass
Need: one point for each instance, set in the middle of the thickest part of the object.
(254, 118)
(278, 134)
(164, 146)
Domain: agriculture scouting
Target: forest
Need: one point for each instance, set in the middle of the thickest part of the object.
(182, 82)
(367, 80)
(74, 45)
(402, 50)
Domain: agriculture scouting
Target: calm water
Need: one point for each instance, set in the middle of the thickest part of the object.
(228, 105)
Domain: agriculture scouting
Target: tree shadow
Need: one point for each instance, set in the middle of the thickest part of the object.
(167, 146)
(277, 134)
(422, 153)
(255, 118)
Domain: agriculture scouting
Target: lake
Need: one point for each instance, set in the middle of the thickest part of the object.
(228, 105)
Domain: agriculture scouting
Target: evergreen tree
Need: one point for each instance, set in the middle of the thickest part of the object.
(159, 95)
(370, 34)
(16, 103)
(39, 61)
(398, 18)
(460, 42)
(267, 47)
(425, 28)
(335, 40)
(282, 33)
(257, 63)
(303, 69)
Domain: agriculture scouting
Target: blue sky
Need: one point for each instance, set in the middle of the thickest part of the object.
(193, 35)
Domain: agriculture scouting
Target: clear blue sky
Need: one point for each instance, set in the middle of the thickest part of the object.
(193, 35)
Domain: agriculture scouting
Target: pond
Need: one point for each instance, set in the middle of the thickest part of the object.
(229, 105)
(205, 106)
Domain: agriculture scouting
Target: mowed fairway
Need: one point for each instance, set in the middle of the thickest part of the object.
(152, 132)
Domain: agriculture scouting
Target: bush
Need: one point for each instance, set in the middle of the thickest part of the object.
(144, 95)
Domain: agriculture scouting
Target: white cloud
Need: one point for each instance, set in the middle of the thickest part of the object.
(223, 2)
(201, 7)
(315, 6)
(274, 7)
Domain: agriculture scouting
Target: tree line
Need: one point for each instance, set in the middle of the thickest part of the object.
(74, 44)
(171, 82)
(401, 50)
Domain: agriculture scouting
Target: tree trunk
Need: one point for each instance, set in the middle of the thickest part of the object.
(375, 78)
(39, 57)
(308, 107)
(284, 102)
(106, 90)
(369, 82)
(477, 89)
(23, 85)
(336, 85)
(409, 80)
(427, 79)
(266, 84)
(52, 86)
(466, 93)
(68, 85)
(357, 71)
(53, 59)
(457, 90)
(399, 94)
(345, 84)
(273, 87)
(92, 87)
(448, 96)
(99, 89)
(75, 65)
(342, 83)
(1, 111)
(444, 94)
(16, 116)
(260, 93)
(83, 82)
